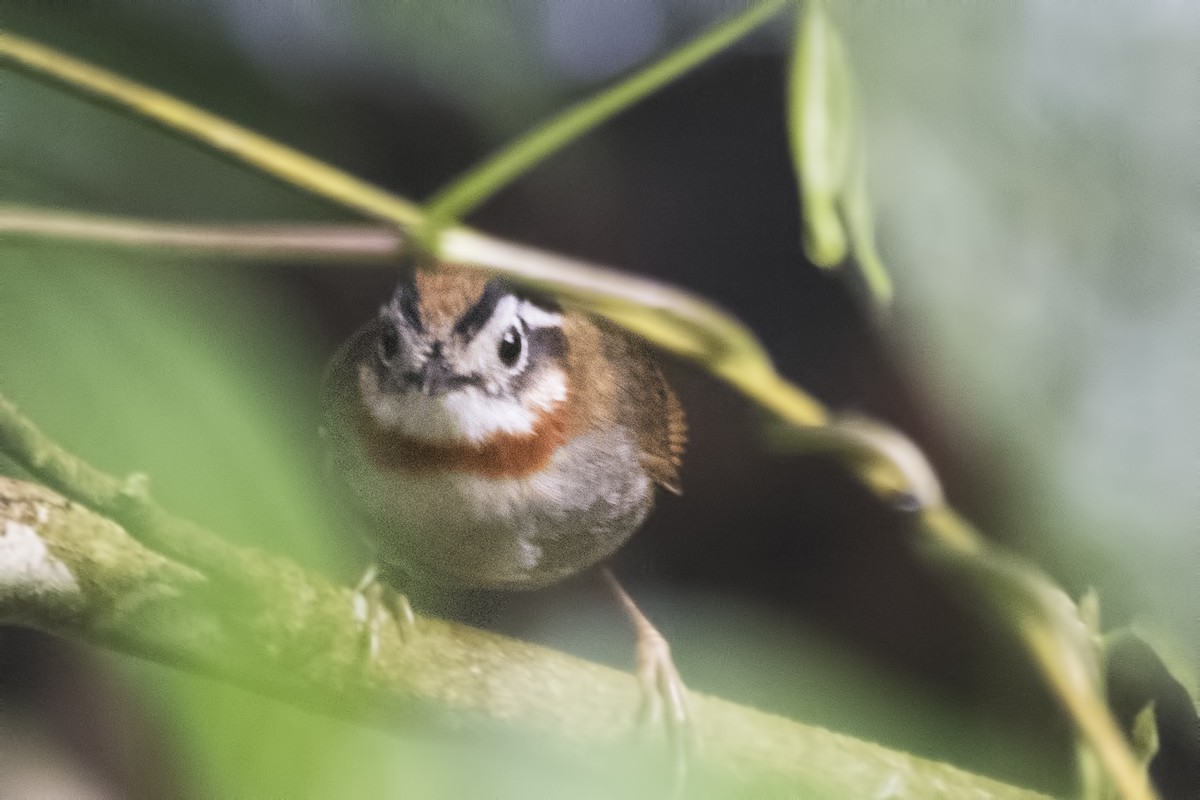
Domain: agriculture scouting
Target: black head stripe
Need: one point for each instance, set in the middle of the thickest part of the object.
(547, 343)
(405, 301)
(547, 347)
(477, 315)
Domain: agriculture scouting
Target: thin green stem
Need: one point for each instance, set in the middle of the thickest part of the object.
(270, 157)
(359, 242)
(471, 189)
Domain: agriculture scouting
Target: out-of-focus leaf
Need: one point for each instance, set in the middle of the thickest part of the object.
(819, 115)
(827, 151)
(1145, 735)
(860, 221)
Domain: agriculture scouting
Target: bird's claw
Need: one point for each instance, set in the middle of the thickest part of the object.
(664, 707)
(376, 605)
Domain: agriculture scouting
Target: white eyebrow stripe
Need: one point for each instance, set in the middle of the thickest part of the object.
(538, 317)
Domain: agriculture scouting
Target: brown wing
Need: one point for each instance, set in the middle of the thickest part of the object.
(650, 407)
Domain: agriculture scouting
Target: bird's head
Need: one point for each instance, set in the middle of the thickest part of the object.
(459, 357)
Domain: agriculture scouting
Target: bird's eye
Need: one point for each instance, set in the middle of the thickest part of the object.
(389, 343)
(510, 347)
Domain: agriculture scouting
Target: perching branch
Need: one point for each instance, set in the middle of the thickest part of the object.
(296, 637)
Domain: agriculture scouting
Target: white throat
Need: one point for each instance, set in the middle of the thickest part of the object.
(468, 414)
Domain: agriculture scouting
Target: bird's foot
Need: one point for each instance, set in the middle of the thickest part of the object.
(376, 605)
(664, 702)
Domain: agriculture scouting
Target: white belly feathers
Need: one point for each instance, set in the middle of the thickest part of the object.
(464, 529)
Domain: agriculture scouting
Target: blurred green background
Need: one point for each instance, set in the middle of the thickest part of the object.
(1033, 171)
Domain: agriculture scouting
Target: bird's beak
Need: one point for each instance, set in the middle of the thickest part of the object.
(435, 377)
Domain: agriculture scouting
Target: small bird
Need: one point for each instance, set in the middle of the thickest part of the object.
(494, 440)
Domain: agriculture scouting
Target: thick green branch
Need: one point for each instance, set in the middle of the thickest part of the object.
(128, 502)
(70, 571)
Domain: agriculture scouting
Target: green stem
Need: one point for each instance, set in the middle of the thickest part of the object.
(372, 242)
(470, 190)
(241, 144)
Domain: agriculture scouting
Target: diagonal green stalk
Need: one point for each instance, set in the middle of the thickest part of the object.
(468, 191)
(232, 140)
